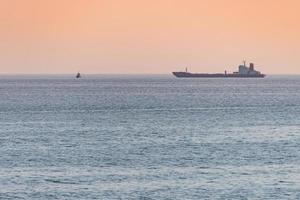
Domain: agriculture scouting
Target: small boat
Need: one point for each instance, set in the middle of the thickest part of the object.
(78, 75)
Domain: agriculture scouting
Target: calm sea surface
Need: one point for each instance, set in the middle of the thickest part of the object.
(149, 137)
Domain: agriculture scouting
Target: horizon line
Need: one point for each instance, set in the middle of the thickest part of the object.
(145, 74)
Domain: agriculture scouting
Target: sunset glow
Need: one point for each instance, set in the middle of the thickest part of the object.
(141, 36)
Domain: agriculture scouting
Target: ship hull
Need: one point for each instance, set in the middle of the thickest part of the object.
(195, 75)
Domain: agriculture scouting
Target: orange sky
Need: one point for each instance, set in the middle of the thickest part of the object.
(148, 36)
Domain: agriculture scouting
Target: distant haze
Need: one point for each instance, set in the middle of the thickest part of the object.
(143, 36)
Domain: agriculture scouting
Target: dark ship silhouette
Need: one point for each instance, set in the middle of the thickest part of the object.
(78, 75)
(244, 72)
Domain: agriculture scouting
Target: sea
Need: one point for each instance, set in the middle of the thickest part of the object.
(149, 137)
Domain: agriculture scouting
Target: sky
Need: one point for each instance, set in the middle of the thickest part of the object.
(148, 36)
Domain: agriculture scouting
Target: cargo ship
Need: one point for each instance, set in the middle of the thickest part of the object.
(244, 72)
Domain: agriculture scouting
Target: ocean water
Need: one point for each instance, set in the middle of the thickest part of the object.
(149, 137)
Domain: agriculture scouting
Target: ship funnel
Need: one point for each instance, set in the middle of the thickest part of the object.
(251, 66)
